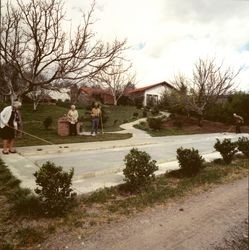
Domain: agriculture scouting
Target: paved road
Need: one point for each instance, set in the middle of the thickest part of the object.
(100, 164)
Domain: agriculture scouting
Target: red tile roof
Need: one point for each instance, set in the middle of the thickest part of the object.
(142, 89)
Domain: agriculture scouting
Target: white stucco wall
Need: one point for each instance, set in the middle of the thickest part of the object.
(158, 90)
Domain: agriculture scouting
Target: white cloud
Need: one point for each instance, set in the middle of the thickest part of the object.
(168, 36)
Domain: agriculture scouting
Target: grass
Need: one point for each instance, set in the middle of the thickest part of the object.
(161, 132)
(33, 124)
(20, 229)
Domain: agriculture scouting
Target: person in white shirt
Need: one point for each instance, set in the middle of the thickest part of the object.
(9, 122)
(72, 117)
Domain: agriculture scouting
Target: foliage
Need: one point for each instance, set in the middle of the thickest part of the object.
(155, 123)
(47, 123)
(135, 114)
(243, 145)
(145, 113)
(64, 104)
(227, 149)
(190, 161)
(139, 169)
(25, 202)
(138, 101)
(155, 110)
(223, 111)
(55, 192)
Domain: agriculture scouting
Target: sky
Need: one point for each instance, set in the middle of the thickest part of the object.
(167, 37)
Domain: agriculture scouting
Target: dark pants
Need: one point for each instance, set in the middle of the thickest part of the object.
(238, 131)
(72, 129)
(95, 125)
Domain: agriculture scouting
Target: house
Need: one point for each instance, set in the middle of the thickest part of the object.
(151, 94)
(87, 95)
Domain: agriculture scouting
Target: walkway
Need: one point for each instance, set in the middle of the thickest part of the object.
(100, 164)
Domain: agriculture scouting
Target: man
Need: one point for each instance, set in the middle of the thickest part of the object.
(95, 115)
(72, 117)
(238, 122)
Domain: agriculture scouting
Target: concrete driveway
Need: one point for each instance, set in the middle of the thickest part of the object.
(100, 164)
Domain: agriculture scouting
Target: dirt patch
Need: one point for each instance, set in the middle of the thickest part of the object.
(190, 125)
(195, 222)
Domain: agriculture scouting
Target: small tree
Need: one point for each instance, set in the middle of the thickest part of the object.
(227, 149)
(47, 123)
(243, 146)
(139, 170)
(55, 192)
(190, 161)
(155, 123)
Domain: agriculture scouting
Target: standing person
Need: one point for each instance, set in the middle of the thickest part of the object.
(95, 114)
(9, 123)
(72, 117)
(238, 122)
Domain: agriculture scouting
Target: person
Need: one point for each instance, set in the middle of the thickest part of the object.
(72, 117)
(95, 115)
(10, 121)
(238, 122)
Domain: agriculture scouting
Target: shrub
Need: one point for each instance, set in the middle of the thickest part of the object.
(155, 123)
(227, 149)
(55, 192)
(145, 113)
(139, 169)
(115, 122)
(243, 146)
(135, 114)
(190, 161)
(47, 123)
(155, 110)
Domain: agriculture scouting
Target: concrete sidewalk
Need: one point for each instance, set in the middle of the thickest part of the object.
(100, 164)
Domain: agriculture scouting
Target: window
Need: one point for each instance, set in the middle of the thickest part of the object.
(151, 100)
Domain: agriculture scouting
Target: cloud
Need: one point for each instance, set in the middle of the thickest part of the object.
(169, 36)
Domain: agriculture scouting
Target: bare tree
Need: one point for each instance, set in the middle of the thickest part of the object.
(209, 81)
(117, 78)
(34, 43)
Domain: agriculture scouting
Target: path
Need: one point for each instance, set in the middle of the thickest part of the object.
(202, 225)
(100, 164)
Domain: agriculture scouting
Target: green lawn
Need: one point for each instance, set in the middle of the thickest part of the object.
(33, 124)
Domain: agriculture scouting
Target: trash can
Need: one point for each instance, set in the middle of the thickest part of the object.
(63, 126)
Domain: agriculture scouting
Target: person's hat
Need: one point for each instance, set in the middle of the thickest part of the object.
(16, 104)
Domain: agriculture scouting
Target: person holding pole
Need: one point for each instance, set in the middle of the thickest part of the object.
(10, 121)
(238, 122)
(95, 115)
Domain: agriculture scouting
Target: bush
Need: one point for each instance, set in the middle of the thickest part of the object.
(135, 114)
(227, 149)
(139, 169)
(190, 161)
(155, 123)
(47, 123)
(145, 113)
(55, 192)
(243, 146)
(155, 110)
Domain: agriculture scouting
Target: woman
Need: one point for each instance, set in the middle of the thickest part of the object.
(9, 123)
(72, 117)
(95, 115)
